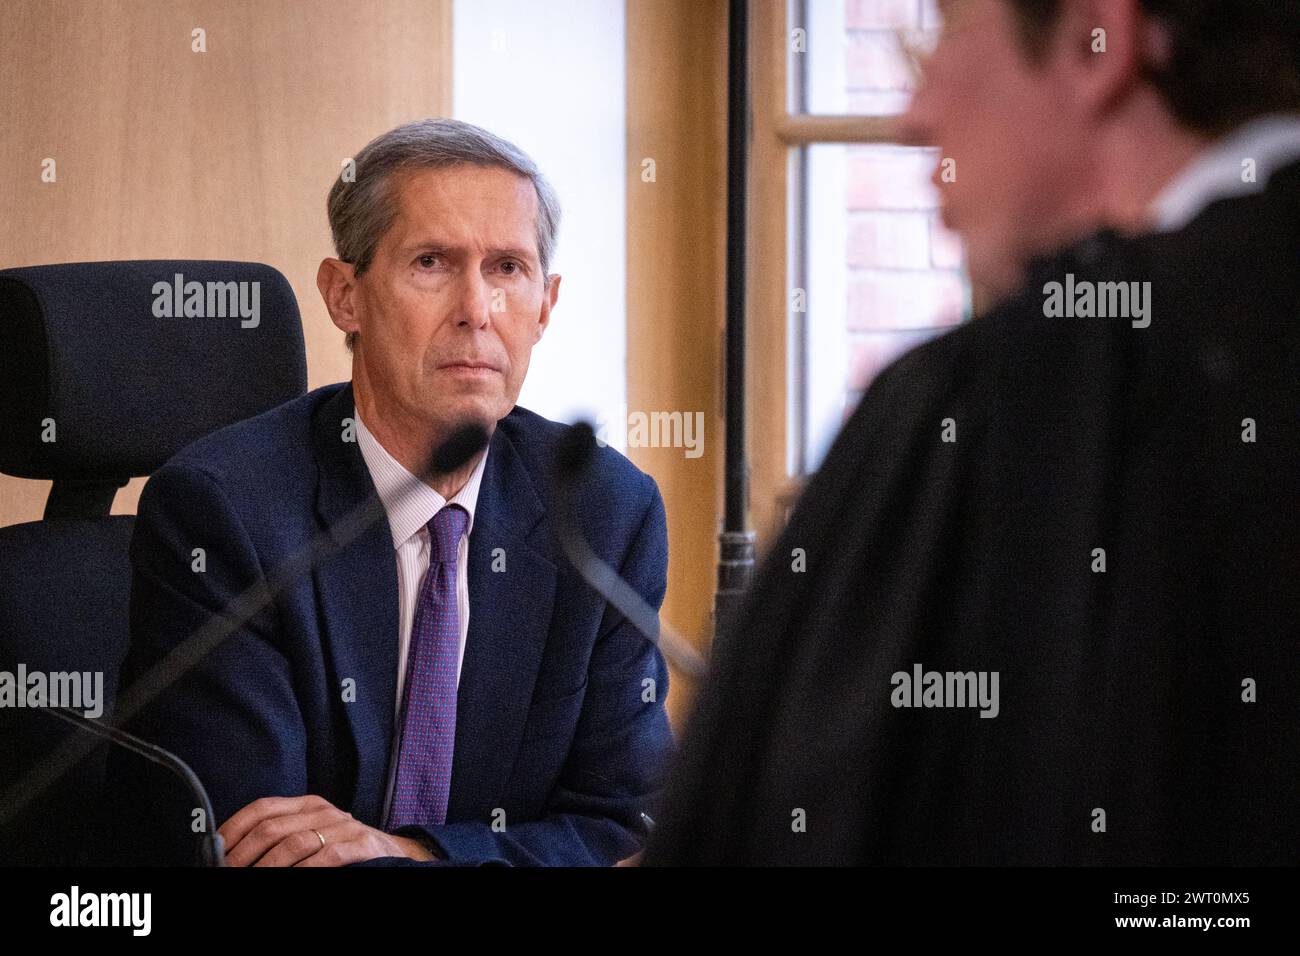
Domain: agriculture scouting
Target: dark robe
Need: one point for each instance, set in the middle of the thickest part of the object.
(1148, 712)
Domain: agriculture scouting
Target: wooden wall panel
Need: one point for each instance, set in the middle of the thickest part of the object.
(163, 152)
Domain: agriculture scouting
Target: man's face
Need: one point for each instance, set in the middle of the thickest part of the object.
(1010, 128)
(455, 297)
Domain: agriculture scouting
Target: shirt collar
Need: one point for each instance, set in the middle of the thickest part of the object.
(1272, 141)
(410, 510)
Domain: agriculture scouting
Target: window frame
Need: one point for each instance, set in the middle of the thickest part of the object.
(779, 143)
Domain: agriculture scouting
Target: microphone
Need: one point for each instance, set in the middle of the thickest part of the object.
(464, 443)
(213, 847)
(575, 452)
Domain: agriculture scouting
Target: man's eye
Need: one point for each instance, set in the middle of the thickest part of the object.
(510, 267)
(427, 261)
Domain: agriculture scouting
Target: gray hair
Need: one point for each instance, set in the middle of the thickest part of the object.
(361, 212)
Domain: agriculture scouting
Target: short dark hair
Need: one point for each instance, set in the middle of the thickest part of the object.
(1231, 60)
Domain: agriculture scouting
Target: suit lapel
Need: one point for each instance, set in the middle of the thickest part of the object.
(357, 591)
(511, 594)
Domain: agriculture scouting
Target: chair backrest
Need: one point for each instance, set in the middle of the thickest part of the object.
(107, 369)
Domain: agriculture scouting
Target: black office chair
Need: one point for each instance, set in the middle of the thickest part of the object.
(107, 369)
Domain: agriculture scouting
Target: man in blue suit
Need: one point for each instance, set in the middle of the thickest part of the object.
(444, 687)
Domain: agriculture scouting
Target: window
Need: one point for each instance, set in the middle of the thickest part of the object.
(879, 275)
(872, 270)
(849, 264)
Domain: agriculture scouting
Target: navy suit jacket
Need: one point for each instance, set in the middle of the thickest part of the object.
(561, 732)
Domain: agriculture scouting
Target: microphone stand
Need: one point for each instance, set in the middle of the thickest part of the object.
(214, 851)
(575, 453)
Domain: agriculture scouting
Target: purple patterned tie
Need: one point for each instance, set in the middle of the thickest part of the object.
(429, 697)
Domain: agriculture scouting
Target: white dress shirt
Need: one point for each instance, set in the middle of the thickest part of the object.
(1272, 141)
(410, 504)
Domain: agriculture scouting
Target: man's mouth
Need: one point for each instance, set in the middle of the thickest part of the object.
(470, 367)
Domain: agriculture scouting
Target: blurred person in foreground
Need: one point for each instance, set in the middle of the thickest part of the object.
(1051, 606)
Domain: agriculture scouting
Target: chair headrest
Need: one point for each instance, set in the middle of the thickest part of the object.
(107, 369)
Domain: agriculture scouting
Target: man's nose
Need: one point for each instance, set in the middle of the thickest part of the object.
(475, 307)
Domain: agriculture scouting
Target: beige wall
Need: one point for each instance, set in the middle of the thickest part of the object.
(163, 152)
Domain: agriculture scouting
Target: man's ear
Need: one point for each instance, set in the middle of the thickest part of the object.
(1101, 43)
(337, 283)
(549, 297)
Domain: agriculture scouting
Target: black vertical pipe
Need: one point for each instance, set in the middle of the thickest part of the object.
(736, 542)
